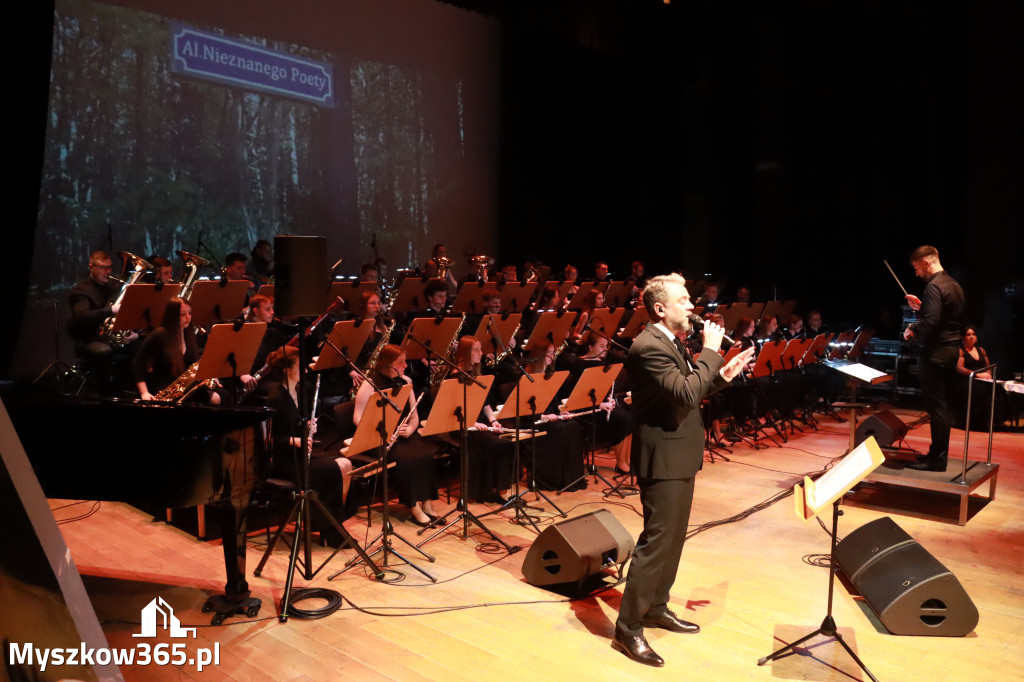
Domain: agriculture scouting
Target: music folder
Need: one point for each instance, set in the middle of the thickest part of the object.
(368, 429)
(505, 326)
(552, 326)
(437, 333)
(542, 390)
(470, 298)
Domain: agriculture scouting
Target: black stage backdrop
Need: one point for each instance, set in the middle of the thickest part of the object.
(788, 148)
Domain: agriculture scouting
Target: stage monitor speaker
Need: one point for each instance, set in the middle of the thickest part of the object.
(576, 549)
(909, 590)
(885, 426)
(300, 275)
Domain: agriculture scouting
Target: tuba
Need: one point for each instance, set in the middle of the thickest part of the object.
(192, 265)
(139, 267)
(483, 262)
(444, 265)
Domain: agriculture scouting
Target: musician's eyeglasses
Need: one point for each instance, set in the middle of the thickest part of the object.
(101, 267)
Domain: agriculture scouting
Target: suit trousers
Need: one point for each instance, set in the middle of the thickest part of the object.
(936, 371)
(666, 504)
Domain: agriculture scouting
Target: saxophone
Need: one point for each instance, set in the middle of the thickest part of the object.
(439, 371)
(139, 266)
(185, 385)
(373, 356)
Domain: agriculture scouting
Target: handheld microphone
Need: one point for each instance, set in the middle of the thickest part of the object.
(697, 323)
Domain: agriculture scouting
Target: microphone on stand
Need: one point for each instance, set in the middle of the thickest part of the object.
(697, 324)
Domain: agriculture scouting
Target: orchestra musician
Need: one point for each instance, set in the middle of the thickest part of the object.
(491, 458)
(90, 301)
(593, 300)
(167, 352)
(164, 270)
(415, 474)
(328, 475)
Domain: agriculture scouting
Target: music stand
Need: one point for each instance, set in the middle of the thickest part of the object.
(216, 301)
(351, 292)
(617, 294)
(470, 298)
(372, 432)
(635, 324)
(734, 311)
(345, 337)
(606, 320)
(456, 400)
(536, 395)
(230, 351)
(581, 294)
(143, 306)
(410, 294)
(593, 382)
(430, 333)
(769, 361)
(552, 326)
(505, 326)
(809, 500)
(516, 296)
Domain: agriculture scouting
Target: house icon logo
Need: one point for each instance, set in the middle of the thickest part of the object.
(159, 609)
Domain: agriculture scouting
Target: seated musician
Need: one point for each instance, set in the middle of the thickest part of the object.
(560, 453)
(234, 266)
(972, 359)
(814, 324)
(166, 353)
(593, 300)
(508, 274)
(90, 301)
(795, 329)
(743, 294)
(601, 272)
(327, 473)
(768, 329)
(368, 273)
(490, 456)
(440, 251)
(710, 298)
(615, 428)
(415, 475)
(164, 270)
(256, 382)
(571, 275)
(548, 299)
(261, 267)
(436, 295)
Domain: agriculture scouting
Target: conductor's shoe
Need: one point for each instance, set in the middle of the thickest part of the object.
(670, 621)
(637, 648)
(929, 464)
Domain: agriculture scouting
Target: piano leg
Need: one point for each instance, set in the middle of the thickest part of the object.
(235, 600)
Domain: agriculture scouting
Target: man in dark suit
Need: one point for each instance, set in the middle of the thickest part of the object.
(668, 450)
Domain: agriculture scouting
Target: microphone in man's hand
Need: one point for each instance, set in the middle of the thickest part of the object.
(697, 324)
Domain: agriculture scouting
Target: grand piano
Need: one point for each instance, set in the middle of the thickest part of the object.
(154, 453)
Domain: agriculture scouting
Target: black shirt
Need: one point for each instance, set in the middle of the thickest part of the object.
(942, 308)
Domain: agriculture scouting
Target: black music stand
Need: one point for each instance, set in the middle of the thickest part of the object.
(811, 498)
(373, 432)
(215, 301)
(537, 395)
(143, 306)
(594, 382)
(447, 414)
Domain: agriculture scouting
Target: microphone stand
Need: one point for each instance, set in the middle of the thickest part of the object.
(301, 509)
(462, 506)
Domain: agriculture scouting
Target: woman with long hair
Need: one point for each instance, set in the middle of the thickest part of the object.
(415, 474)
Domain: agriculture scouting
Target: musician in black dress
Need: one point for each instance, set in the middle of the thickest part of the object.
(414, 475)
(972, 359)
(327, 474)
(491, 458)
(167, 351)
(614, 426)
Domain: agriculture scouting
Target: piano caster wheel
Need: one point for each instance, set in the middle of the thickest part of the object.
(222, 609)
(252, 611)
(207, 607)
(218, 619)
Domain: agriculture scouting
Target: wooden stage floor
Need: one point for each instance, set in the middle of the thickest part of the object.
(745, 583)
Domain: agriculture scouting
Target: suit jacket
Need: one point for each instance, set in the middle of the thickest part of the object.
(668, 437)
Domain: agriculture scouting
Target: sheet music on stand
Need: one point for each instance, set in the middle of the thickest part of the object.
(811, 497)
(868, 375)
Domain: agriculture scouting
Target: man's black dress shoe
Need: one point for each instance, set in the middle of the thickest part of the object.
(670, 621)
(929, 465)
(637, 648)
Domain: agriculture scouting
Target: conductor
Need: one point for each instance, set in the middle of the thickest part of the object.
(667, 452)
